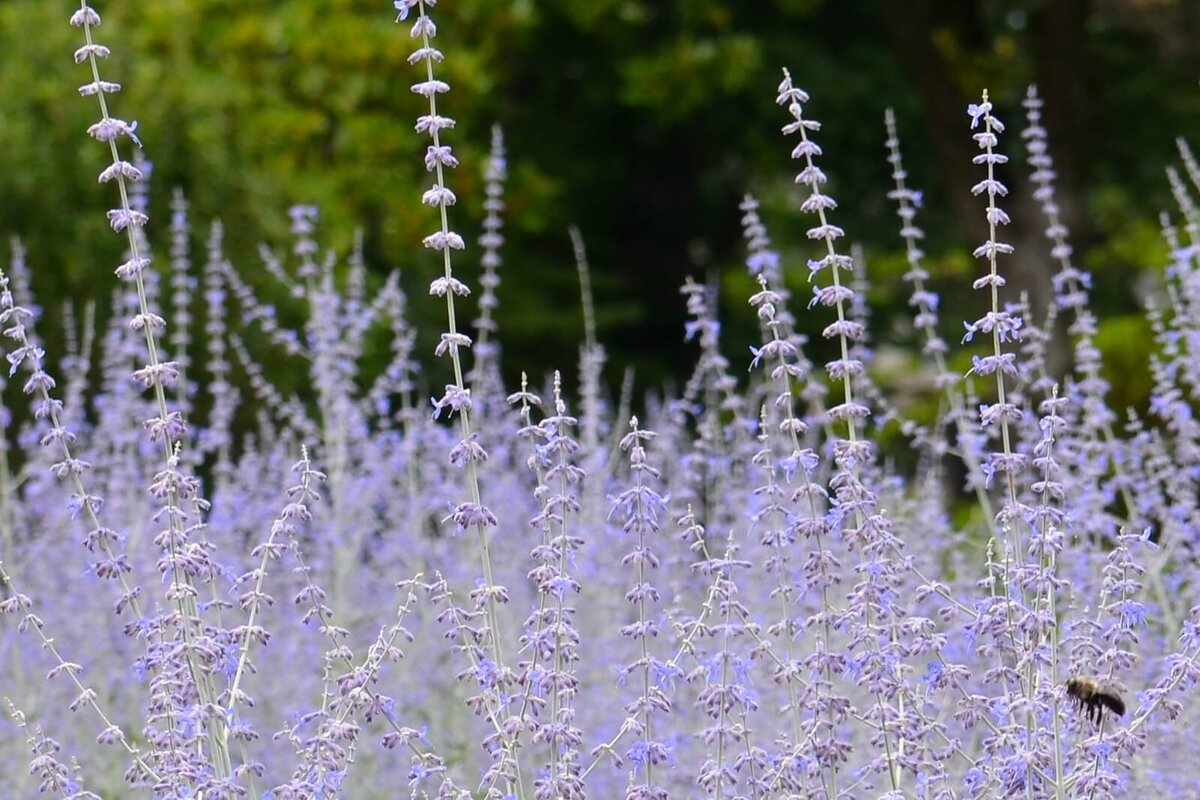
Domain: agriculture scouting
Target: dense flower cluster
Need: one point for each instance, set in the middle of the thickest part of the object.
(729, 595)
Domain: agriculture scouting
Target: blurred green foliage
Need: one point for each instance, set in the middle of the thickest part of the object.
(643, 121)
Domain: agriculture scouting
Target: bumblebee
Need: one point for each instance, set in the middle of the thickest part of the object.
(1093, 697)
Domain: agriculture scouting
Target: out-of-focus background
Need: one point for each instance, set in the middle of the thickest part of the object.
(641, 121)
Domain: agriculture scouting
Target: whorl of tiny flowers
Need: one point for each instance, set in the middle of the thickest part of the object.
(1003, 325)
(304, 225)
(835, 295)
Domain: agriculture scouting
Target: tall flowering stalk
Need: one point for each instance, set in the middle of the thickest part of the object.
(253, 598)
(558, 640)
(1039, 579)
(591, 354)
(785, 517)
(167, 427)
(348, 690)
(182, 286)
(925, 302)
(1015, 624)
(722, 449)
(79, 332)
(639, 508)
(537, 628)
(471, 514)
(110, 562)
(836, 295)
(1102, 449)
(397, 377)
(873, 612)
(486, 373)
(1002, 325)
(764, 262)
(818, 631)
(550, 632)
(217, 437)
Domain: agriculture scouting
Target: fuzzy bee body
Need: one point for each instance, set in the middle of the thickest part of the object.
(1093, 697)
